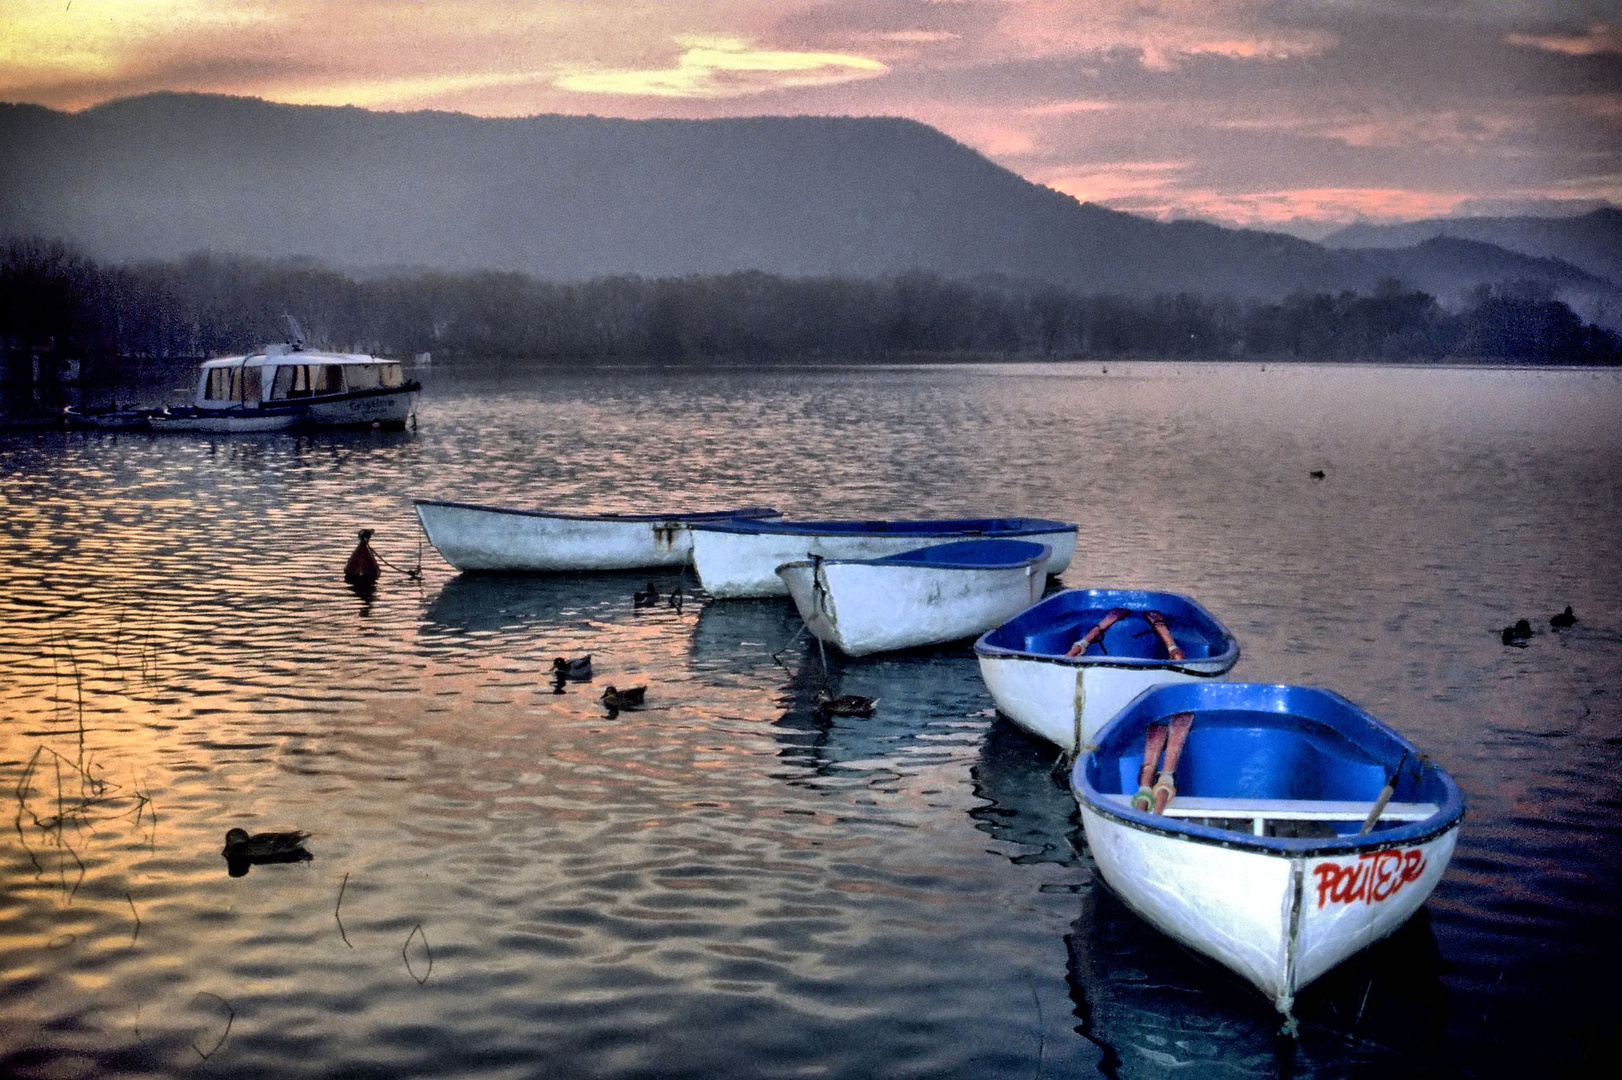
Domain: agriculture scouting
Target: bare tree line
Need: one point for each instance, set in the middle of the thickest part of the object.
(53, 296)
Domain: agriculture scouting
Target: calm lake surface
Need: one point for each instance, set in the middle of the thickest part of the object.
(507, 883)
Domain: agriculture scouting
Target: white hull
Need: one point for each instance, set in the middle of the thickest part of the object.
(391, 409)
(226, 423)
(1067, 703)
(1278, 920)
(863, 608)
(497, 539)
(742, 564)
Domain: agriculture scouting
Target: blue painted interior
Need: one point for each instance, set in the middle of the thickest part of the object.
(971, 555)
(1052, 626)
(951, 527)
(1256, 741)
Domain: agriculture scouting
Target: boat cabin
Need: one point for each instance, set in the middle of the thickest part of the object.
(285, 374)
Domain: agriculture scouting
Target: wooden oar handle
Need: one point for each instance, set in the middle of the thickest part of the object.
(1166, 783)
(1111, 617)
(1158, 621)
(1153, 743)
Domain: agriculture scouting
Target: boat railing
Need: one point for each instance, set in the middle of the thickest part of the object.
(1261, 811)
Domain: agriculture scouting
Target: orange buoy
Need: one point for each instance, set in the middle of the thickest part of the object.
(362, 569)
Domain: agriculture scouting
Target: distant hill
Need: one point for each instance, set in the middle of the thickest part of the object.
(1591, 241)
(568, 198)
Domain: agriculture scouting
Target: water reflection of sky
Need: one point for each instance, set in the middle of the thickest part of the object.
(723, 878)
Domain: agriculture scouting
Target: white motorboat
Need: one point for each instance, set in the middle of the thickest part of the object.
(1286, 829)
(286, 385)
(1064, 667)
(740, 558)
(929, 596)
(503, 539)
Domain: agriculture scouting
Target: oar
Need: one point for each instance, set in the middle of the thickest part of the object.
(1166, 782)
(1386, 792)
(1158, 621)
(1154, 742)
(1111, 617)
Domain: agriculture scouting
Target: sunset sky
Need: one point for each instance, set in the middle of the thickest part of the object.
(1260, 112)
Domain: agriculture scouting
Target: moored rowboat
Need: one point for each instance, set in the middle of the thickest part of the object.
(1299, 829)
(502, 539)
(936, 594)
(1036, 682)
(740, 558)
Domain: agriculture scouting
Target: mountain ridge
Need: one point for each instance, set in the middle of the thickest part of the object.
(571, 198)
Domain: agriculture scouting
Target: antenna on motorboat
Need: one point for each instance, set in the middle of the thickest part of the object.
(295, 333)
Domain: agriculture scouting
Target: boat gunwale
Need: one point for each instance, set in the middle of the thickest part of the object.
(1203, 667)
(633, 519)
(1449, 815)
(1043, 554)
(987, 527)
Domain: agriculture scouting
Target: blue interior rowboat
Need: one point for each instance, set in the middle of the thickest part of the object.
(1299, 829)
(1036, 683)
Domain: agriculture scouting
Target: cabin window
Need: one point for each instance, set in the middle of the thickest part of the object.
(389, 375)
(224, 384)
(363, 377)
(329, 378)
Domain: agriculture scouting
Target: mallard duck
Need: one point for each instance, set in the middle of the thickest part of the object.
(844, 705)
(631, 697)
(1519, 634)
(577, 668)
(646, 597)
(1316, 474)
(1564, 619)
(242, 851)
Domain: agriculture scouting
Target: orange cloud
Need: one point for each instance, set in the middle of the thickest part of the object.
(1598, 40)
(726, 67)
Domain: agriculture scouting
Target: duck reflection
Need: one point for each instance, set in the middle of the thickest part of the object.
(1157, 1010)
(923, 706)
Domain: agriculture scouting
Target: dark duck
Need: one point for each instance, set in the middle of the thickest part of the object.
(825, 704)
(645, 597)
(1563, 620)
(1519, 634)
(242, 850)
(615, 699)
(576, 668)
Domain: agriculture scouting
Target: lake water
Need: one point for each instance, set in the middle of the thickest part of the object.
(508, 883)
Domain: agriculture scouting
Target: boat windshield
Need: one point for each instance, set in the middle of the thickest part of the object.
(303, 380)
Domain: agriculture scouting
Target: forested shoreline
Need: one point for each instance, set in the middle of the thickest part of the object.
(55, 299)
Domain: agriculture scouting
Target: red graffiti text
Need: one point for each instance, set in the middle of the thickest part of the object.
(1370, 879)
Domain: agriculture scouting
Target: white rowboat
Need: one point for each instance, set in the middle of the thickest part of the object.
(1260, 859)
(740, 558)
(502, 539)
(928, 596)
(1066, 699)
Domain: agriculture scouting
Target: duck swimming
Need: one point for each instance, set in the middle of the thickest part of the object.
(615, 699)
(827, 705)
(1564, 619)
(242, 850)
(577, 668)
(645, 597)
(1519, 634)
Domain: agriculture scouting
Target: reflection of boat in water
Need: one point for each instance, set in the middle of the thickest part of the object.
(1157, 1010)
(923, 701)
(743, 633)
(484, 602)
(1028, 798)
